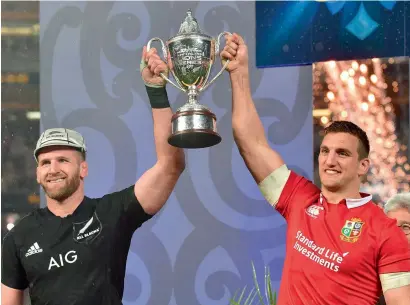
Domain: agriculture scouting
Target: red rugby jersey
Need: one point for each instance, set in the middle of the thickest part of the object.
(335, 252)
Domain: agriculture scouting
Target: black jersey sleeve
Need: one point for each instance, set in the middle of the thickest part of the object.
(12, 271)
(125, 204)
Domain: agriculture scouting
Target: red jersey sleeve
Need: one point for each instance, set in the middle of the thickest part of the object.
(394, 250)
(298, 193)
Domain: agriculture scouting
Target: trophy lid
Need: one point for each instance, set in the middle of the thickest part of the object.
(190, 25)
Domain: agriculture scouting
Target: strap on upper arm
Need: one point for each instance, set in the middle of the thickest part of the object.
(272, 186)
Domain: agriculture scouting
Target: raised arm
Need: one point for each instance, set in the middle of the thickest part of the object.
(265, 164)
(248, 130)
(155, 185)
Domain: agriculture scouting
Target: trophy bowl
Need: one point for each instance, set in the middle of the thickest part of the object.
(190, 56)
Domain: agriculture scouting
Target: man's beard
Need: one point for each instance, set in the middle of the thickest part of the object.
(72, 184)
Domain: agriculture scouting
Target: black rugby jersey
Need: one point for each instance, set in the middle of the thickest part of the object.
(79, 259)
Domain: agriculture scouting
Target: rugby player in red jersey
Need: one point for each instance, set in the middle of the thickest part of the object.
(341, 248)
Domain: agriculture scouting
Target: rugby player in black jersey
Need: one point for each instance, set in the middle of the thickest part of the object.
(74, 251)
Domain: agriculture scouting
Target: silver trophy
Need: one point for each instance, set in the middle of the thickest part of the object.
(190, 56)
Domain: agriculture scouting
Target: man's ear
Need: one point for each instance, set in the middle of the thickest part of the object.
(364, 166)
(83, 169)
(37, 175)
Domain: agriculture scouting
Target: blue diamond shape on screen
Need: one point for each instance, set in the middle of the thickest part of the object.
(362, 24)
(335, 7)
(388, 4)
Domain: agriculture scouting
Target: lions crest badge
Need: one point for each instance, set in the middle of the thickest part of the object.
(352, 230)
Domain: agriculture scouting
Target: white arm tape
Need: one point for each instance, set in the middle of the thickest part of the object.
(394, 280)
(272, 186)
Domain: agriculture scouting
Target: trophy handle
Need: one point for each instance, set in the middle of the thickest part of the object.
(165, 54)
(224, 66)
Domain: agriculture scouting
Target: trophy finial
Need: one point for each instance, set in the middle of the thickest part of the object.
(189, 25)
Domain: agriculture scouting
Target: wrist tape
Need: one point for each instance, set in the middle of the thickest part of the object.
(158, 97)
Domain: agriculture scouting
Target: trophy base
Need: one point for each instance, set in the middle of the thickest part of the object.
(194, 126)
(194, 139)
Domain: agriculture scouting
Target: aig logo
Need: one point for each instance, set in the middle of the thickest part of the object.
(69, 258)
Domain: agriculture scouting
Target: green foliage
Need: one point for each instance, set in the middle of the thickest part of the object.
(250, 298)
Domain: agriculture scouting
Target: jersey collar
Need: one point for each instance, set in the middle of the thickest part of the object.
(83, 209)
(358, 202)
(352, 202)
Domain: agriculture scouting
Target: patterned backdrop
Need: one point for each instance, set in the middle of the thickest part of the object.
(199, 248)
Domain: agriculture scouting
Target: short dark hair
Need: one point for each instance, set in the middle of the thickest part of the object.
(353, 129)
(83, 155)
